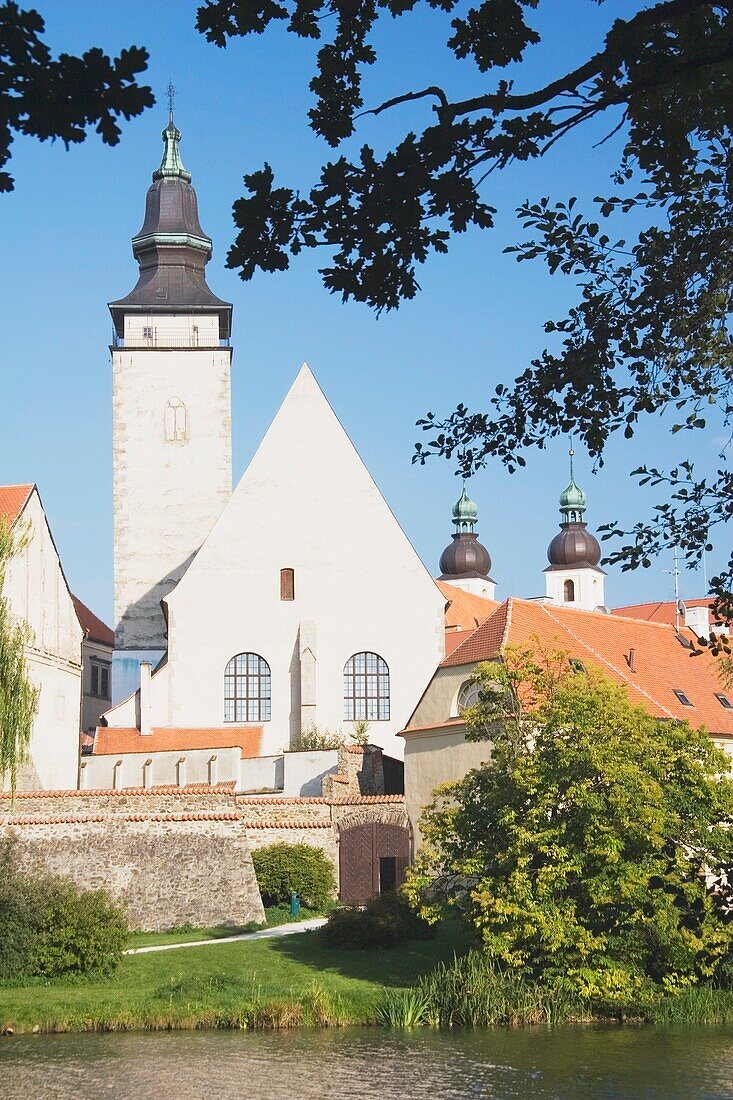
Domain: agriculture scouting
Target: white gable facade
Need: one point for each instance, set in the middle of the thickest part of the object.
(38, 594)
(306, 504)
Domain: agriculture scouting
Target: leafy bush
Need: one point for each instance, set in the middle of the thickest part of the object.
(49, 928)
(285, 869)
(386, 921)
(315, 739)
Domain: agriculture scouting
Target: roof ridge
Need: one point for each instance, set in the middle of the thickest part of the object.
(507, 624)
(609, 664)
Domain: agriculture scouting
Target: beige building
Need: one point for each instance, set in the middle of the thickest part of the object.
(37, 592)
(97, 649)
(650, 660)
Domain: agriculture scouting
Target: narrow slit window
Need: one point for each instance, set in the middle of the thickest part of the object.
(287, 584)
(682, 698)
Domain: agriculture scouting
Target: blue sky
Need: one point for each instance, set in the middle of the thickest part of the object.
(66, 232)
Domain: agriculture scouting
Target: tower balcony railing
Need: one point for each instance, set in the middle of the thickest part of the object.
(168, 340)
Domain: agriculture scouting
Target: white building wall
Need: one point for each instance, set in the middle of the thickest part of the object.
(168, 491)
(306, 502)
(587, 582)
(37, 593)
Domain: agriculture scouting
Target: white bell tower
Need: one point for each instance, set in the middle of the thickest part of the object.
(171, 362)
(574, 577)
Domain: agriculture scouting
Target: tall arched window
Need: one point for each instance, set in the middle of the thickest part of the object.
(176, 421)
(568, 591)
(366, 688)
(247, 689)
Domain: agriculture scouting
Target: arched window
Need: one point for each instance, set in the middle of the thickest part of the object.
(247, 689)
(176, 421)
(568, 592)
(366, 688)
(467, 696)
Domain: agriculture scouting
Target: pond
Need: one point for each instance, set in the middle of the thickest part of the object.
(565, 1064)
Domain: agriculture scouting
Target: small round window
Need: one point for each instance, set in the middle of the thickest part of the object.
(467, 696)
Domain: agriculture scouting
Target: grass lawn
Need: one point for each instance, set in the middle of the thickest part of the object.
(266, 983)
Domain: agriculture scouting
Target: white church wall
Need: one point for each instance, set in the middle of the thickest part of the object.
(306, 503)
(171, 480)
(305, 772)
(37, 593)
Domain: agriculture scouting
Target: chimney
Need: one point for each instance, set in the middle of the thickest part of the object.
(631, 659)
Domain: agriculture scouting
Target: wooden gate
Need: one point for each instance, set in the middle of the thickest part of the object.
(372, 858)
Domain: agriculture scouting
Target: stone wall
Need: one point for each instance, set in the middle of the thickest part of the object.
(164, 870)
(178, 855)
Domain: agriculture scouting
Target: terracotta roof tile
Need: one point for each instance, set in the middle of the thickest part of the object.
(109, 741)
(94, 629)
(661, 664)
(13, 499)
(193, 788)
(465, 611)
(660, 611)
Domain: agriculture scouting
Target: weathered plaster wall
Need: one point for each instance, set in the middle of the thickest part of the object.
(433, 757)
(94, 706)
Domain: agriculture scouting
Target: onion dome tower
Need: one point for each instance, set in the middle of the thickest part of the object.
(171, 364)
(171, 249)
(573, 575)
(465, 563)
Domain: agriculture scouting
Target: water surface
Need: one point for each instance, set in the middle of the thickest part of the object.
(529, 1064)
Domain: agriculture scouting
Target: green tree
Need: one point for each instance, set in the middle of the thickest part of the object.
(650, 331)
(18, 697)
(577, 852)
(46, 97)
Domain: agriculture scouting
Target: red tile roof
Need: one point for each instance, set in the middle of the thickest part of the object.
(110, 741)
(464, 612)
(94, 629)
(13, 499)
(660, 611)
(660, 663)
(226, 787)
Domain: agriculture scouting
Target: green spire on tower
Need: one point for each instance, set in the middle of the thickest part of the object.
(171, 164)
(572, 498)
(465, 512)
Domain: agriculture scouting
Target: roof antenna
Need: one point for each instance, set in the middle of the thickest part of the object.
(171, 93)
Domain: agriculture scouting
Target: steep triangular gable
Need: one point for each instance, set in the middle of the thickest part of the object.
(306, 455)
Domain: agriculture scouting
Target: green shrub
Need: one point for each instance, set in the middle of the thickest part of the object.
(285, 869)
(49, 928)
(386, 921)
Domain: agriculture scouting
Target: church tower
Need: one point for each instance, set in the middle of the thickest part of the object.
(465, 563)
(574, 577)
(171, 361)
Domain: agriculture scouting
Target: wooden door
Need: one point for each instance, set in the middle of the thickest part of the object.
(371, 856)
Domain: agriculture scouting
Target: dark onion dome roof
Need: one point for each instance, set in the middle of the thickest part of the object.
(171, 249)
(573, 545)
(465, 556)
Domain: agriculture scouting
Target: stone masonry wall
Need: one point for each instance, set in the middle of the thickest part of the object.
(164, 871)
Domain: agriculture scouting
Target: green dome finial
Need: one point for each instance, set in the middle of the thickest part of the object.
(465, 512)
(171, 165)
(572, 499)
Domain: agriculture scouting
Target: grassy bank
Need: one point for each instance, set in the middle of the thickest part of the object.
(267, 983)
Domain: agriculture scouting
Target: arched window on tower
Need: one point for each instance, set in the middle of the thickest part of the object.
(568, 591)
(247, 689)
(176, 421)
(366, 688)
